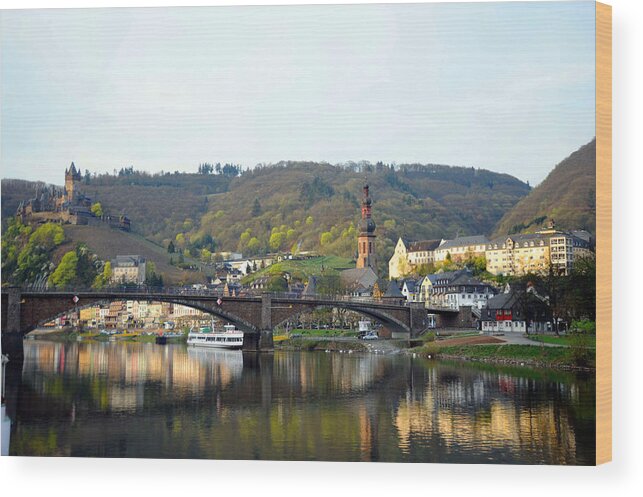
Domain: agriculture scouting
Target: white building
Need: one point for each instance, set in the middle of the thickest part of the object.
(128, 269)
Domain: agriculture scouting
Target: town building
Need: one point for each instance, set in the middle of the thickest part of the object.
(393, 293)
(260, 283)
(234, 276)
(410, 289)
(516, 311)
(128, 269)
(461, 249)
(409, 256)
(537, 252)
(380, 287)
(454, 289)
(358, 282)
(88, 316)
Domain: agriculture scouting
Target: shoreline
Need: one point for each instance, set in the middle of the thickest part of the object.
(524, 363)
(500, 354)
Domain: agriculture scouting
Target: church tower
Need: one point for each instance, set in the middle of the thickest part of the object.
(366, 238)
(71, 177)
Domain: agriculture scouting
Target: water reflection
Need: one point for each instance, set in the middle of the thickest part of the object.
(143, 400)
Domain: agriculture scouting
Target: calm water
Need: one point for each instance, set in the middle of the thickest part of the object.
(145, 400)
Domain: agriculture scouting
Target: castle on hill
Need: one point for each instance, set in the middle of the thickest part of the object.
(66, 206)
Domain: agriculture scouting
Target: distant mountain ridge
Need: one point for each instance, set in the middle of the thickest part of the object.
(567, 195)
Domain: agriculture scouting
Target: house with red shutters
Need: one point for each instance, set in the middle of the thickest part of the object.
(516, 311)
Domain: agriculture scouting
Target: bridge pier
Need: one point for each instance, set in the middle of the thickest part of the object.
(258, 342)
(265, 335)
(13, 311)
(11, 332)
(265, 341)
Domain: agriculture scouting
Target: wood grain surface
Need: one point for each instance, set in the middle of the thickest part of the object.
(603, 233)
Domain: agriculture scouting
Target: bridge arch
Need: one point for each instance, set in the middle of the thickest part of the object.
(379, 316)
(34, 318)
(239, 322)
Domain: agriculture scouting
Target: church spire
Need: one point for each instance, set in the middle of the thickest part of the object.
(366, 237)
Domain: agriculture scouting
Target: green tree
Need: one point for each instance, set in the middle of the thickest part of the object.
(32, 261)
(244, 238)
(180, 240)
(277, 283)
(103, 278)
(48, 236)
(66, 271)
(253, 245)
(171, 248)
(85, 268)
(97, 209)
(325, 238)
(276, 239)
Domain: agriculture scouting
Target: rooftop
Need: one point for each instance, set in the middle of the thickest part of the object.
(464, 241)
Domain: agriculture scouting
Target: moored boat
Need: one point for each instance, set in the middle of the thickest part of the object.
(228, 338)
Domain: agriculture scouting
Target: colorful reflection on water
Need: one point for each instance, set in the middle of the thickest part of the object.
(144, 400)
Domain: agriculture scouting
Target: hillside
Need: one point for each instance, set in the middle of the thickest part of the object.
(310, 206)
(567, 195)
(297, 205)
(158, 206)
(107, 243)
(301, 270)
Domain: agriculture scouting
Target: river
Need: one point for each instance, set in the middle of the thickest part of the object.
(144, 400)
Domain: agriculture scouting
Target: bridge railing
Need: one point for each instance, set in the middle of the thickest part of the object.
(126, 290)
(192, 292)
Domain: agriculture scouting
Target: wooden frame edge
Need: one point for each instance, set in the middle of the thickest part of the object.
(603, 233)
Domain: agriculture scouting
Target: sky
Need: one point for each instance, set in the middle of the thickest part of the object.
(502, 86)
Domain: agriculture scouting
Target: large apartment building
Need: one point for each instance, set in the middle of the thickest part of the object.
(537, 252)
(507, 255)
(461, 248)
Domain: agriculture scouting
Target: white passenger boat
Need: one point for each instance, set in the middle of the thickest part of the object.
(228, 338)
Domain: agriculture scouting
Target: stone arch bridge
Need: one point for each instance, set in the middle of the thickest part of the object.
(25, 310)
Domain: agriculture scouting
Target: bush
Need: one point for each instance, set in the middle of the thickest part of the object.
(431, 349)
(584, 326)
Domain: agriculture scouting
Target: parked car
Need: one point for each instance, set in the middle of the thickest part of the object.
(370, 336)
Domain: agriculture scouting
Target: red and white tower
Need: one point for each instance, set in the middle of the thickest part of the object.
(366, 238)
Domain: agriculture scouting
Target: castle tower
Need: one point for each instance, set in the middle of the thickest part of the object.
(366, 238)
(71, 177)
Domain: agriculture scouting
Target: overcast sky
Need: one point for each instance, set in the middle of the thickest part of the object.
(503, 86)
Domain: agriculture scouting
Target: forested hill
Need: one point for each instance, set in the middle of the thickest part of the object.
(310, 206)
(567, 195)
(305, 205)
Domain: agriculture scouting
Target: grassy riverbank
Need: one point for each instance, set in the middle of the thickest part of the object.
(571, 340)
(520, 355)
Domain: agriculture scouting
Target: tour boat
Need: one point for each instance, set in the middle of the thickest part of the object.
(229, 338)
